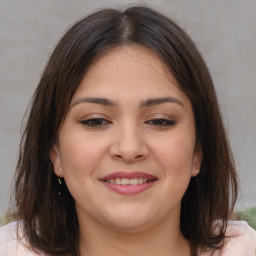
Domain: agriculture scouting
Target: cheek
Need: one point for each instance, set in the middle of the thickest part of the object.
(176, 159)
(176, 153)
(80, 155)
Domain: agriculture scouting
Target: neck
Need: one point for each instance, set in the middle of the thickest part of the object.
(163, 239)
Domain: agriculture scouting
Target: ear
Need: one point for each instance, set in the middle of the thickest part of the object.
(56, 160)
(197, 160)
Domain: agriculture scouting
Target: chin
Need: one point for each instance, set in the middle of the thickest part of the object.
(128, 219)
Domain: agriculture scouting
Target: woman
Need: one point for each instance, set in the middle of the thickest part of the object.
(124, 152)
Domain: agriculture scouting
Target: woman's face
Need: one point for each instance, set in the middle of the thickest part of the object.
(126, 148)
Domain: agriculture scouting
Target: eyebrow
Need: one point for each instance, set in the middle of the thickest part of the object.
(109, 103)
(95, 100)
(156, 101)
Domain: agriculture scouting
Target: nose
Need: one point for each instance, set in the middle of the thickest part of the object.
(129, 145)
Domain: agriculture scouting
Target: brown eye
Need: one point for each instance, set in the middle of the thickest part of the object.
(95, 122)
(161, 122)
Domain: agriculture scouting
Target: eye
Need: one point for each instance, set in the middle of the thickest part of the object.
(95, 122)
(161, 122)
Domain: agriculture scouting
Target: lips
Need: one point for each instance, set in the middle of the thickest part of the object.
(128, 182)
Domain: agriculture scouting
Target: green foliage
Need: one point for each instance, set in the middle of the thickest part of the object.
(248, 215)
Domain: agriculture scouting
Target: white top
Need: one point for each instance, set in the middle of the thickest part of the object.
(243, 242)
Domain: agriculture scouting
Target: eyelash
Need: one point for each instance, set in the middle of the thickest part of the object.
(99, 122)
(95, 122)
(161, 122)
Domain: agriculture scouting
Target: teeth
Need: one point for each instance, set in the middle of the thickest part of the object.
(134, 181)
(126, 181)
(117, 181)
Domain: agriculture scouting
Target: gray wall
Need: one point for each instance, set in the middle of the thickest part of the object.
(224, 30)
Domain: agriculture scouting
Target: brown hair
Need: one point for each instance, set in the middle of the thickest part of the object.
(50, 221)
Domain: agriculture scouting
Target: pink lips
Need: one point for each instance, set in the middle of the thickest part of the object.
(129, 189)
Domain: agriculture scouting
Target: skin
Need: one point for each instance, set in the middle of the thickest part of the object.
(158, 139)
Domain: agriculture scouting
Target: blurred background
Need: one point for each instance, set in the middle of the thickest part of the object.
(224, 31)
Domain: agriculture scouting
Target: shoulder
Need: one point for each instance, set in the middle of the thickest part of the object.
(12, 241)
(240, 241)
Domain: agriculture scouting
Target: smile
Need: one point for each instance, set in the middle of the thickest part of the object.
(125, 181)
(129, 182)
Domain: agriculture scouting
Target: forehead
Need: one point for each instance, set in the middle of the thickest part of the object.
(129, 55)
(128, 71)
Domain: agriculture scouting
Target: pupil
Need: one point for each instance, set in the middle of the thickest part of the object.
(97, 121)
(158, 121)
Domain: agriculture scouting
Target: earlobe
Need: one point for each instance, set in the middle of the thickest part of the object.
(197, 160)
(56, 160)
